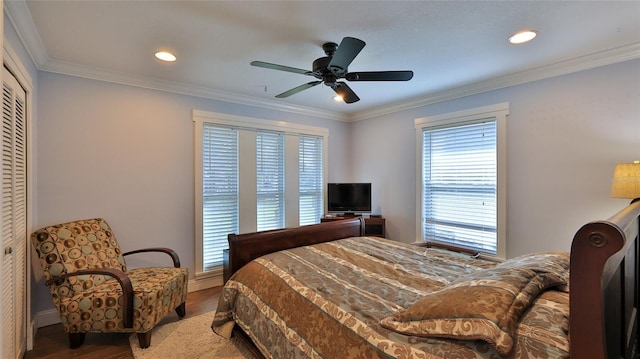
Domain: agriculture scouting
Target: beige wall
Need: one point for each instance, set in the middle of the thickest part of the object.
(126, 154)
(565, 135)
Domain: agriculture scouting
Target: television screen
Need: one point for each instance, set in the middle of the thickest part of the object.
(349, 197)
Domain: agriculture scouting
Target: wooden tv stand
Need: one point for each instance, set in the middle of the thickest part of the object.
(373, 226)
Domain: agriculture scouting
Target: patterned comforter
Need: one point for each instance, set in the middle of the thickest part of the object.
(368, 297)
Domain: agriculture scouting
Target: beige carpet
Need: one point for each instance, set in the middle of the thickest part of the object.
(189, 338)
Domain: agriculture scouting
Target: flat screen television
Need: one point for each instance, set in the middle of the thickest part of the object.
(349, 198)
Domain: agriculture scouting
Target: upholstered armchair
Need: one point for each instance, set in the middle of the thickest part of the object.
(92, 289)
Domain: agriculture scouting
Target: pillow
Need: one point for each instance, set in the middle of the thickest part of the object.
(485, 305)
(556, 262)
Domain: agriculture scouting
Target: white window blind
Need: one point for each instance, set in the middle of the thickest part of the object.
(270, 180)
(220, 209)
(460, 186)
(248, 177)
(310, 169)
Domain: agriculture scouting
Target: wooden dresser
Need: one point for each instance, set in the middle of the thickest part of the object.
(373, 226)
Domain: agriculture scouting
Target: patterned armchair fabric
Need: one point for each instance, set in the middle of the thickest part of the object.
(92, 289)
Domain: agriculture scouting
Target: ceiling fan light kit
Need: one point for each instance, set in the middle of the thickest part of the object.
(335, 66)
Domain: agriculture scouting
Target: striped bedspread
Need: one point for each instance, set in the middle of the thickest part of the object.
(327, 301)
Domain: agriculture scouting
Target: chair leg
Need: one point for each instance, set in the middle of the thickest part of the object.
(144, 339)
(181, 310)
(76, 340)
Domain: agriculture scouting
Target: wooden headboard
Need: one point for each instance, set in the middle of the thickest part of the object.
(604, 287)
(244, 248)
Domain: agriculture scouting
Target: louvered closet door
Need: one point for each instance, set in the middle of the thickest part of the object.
(14, 234)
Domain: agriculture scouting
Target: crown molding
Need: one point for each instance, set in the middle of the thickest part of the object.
(90, 72)
(608, 57)
(20, 17)
(21, 20)
(603, 58)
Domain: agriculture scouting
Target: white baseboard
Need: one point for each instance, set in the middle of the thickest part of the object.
(46, 318)
(204, 283)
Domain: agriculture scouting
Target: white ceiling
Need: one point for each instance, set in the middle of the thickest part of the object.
(455, 48)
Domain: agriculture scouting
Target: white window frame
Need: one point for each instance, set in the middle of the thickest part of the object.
(500, 113)
(248, 195)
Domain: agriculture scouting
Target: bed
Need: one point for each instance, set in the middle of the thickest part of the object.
(328, 291)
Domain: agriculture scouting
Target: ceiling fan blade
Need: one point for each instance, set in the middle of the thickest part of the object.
(379, 76)
(295, 90)
(344, 91)
(348, 49)
(271, 66)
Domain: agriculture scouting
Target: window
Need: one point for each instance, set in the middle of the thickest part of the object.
(462, 179)
(311, 184)
(253, 175)
(270, 175)
(220, 206)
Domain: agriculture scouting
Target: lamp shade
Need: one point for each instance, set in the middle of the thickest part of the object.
(626, 180)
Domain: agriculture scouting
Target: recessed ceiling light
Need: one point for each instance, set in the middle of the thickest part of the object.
(522, 37)
(165, 56)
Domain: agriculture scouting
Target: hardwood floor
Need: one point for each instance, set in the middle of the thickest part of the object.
(53, 342)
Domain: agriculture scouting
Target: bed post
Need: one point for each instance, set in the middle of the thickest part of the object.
(604, 287)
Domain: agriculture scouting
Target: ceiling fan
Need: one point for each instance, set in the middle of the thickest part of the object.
(334, 66)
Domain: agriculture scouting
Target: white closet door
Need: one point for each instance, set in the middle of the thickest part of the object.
(13, 222)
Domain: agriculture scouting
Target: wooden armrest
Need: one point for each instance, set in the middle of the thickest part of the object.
(123, 280)
(169, 251)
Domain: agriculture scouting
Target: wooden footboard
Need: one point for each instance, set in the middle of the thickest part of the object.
(604, 287)
(244, 248)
